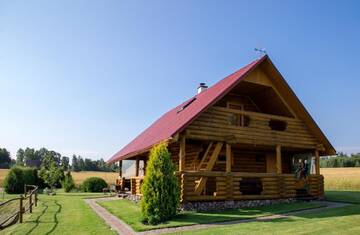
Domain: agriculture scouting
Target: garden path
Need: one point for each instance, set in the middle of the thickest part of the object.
(122, 228)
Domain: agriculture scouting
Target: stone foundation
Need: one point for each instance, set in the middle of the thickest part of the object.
(135, 198)
(224, 205)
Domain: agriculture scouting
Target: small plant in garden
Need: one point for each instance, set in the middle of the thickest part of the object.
(52, 175)
(94, 184)
(160, 189)
(68, 182)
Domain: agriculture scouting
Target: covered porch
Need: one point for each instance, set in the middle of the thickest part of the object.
(229, 171)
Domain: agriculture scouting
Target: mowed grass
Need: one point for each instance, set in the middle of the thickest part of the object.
(130, 213)
(61, 214)
(79, 177)
(343, 220)
(341, 178)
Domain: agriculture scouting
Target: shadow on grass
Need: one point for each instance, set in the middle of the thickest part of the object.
(56, 221)
(37, 220)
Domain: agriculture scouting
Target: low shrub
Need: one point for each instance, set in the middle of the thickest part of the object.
(68, 182)
(14, 181)
(19, 176)
(94, 184)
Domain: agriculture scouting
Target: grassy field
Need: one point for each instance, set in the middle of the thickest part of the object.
(130, 213)
(79, 177)
(61, 214)
(341, 178)
(3, 173)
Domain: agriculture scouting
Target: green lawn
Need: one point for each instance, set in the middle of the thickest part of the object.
(344, 220)
(69, 214)
(343, 196)
(61, 214)
(130, 213)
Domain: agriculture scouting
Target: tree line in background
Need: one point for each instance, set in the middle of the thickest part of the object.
(48, 159)
(341, 160)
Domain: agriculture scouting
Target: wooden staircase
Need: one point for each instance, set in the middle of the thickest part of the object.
(207, 163)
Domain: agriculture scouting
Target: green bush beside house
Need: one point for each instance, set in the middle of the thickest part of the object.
(160, 189)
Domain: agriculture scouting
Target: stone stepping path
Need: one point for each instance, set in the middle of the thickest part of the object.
(122, 228)
(114, 222)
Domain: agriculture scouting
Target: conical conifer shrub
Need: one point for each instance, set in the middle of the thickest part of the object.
(160, 190)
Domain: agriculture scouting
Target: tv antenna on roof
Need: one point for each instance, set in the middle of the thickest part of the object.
(261, 51)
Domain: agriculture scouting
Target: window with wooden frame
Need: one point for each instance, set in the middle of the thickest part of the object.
(238, 119)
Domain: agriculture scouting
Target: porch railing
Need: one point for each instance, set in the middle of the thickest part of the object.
(240, 185)
(246, 186)
(135, 184)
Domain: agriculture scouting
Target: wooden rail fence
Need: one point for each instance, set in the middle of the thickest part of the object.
(12, 210)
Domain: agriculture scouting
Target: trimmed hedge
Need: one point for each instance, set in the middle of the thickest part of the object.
(94, 184)
(17, 177)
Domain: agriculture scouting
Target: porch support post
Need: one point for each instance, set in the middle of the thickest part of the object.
(229, 177)
(278, 159)
(182, 153)
(228, 158)
(120, 169)
(137, 167)
(317, 162)
(145, 164)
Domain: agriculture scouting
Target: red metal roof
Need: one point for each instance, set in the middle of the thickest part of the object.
(175, 120)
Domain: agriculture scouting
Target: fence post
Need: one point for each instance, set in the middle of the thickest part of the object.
(30, 202)
(21, 209)
(36, 199)
(25, 190)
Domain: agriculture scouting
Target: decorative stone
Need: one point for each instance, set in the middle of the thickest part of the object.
(134, 198)
(224, 205)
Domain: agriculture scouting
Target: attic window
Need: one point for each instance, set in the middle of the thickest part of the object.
(277, 125)
(237, 119)
(186, 105)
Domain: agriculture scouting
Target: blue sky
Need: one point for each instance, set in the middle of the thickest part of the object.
(86, 77)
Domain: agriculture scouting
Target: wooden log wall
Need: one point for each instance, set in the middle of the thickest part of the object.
(135, 185)
(274, 186)
(214, 125)
(316, 185)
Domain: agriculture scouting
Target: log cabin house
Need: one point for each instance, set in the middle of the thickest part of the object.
(240, 139)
